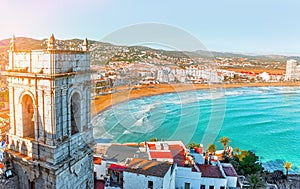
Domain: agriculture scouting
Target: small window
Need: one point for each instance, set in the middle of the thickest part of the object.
(202, 186)
(222, 187)
(31, 184)
(28, 116)
(211, 187)
(75, 113)
(187, 185)
(150, 184)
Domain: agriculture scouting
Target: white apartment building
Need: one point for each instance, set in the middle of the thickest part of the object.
(292, 70)
(145, 174)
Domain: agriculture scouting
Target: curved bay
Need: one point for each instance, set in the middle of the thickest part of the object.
(263, 119)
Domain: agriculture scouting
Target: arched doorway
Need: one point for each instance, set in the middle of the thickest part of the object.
(75, 113)
(28, 116)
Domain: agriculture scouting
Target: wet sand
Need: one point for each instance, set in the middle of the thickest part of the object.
(103, 102)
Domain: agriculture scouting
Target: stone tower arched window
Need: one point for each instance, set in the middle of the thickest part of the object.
(28, 116)
(75, 113)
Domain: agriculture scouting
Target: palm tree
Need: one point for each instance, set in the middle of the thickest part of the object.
(211, 148)
(287, 165)
(153, 140)
(191, 145)
(237, 151)
(224, 141)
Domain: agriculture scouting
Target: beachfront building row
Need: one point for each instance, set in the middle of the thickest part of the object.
(129, 74)
(162, 164)
(106, 78)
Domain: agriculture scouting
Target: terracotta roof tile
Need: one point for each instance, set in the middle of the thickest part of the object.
(155, 155)
(210, 171)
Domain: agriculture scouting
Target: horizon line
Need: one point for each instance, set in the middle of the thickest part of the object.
(253, 53)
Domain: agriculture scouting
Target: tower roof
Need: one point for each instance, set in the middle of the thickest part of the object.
(52, 39)
(85, 45)
(51, 42)
(85, 42)
(13, 39)
(13, 43)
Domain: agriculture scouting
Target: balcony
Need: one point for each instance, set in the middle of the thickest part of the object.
(23, 146)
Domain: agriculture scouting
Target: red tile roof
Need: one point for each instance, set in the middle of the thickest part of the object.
(97, 160)
(117, 167)
(142, 144)
(210, 171)
(152, 146)
(199, 150)
(131, 144)
(156, 155)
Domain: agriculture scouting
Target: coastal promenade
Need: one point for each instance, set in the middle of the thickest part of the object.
(122, 94)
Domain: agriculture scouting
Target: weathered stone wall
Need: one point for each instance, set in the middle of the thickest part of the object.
(69, 62)
(76, 172)
(79, 175)
(49, 62)
(11, 183)
(54, 157)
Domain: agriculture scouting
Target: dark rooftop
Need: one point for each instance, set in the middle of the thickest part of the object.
(99, 184)
(229, 170)
(119, 153)
(210, 171)
(148, 167)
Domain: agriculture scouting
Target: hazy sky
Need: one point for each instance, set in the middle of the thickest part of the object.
(268, 26)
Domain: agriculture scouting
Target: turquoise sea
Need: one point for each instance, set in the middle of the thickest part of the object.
(265, 120)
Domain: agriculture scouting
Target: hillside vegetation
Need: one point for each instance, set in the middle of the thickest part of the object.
(103, 53)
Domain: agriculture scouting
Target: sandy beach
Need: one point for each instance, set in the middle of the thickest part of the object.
(103, 102)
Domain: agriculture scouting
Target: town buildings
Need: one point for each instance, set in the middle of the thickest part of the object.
(129, 74)
(162, 164)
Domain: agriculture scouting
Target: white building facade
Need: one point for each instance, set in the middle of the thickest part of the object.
(145, 174)
(292, 70)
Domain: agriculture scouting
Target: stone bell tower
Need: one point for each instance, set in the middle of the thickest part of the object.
(50, 136)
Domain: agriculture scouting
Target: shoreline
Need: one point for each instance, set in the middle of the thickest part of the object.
(104, 102)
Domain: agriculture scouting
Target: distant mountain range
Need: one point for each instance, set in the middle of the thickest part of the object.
(100, 49)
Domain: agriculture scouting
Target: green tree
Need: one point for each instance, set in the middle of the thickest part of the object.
(191, 145)
(256, 181)
(224, 141)
(287, 165)
(211, 148)
(275, 177)
(237, 151)
(250, 164)
(153, 140)
(242, 155)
